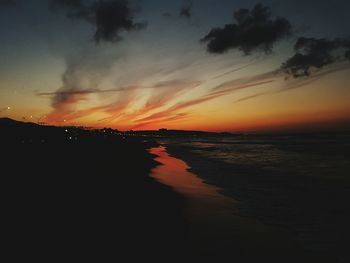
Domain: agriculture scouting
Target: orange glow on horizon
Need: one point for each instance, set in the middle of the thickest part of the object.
(323, 121)
(311, 108)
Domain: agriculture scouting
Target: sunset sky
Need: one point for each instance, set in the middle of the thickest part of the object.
(159, 64)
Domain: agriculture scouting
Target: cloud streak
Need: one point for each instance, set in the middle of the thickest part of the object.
(297, 83)
(114, 110)
(177, 117)
(85, 92)
(220, 91)
(163, 92)
(235, 70)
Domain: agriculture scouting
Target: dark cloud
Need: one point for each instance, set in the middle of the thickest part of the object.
(256, 30)
(312, 53)
(347, 54)
(110, 17)
(186, 10)
(167, 14)
(87, 67)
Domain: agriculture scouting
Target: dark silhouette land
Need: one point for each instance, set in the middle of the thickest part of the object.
(74, 194)
(71, 195)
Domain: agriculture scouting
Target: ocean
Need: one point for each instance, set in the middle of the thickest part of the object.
(297, 182)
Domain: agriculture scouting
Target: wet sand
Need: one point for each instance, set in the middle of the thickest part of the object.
(78, 194)
(217, 231)
(307, 192)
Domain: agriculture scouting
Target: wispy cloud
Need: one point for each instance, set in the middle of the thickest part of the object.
(186, 9)
(162, 93)
(114, 110)
(85, 92)
(235, 70)
(296, 83)
(171, 119)
(216, 92)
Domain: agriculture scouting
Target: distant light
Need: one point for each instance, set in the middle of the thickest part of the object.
(9, 108)
(31, 116)
(70, 138)
(64, 120)
(66, 130)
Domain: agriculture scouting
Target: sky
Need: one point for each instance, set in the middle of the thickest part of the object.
(214, 65)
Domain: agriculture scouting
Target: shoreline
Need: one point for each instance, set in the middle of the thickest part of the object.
(82, 195)
(270, 200)
(217, 231)
(91, 194)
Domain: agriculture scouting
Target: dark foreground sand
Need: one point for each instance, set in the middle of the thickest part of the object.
(74, 195)
(90, 198)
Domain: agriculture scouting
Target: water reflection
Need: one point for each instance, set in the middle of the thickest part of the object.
(205, 206)
(174, 173)
(216, 231)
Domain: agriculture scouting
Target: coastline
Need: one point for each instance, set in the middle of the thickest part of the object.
(216, 230)
(86, 198)
(297, 205)
(90, 194)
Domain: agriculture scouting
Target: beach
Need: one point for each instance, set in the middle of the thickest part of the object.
(306, 198)
(77, 194)
(175, 131)
(217, 231)
(90, 198)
